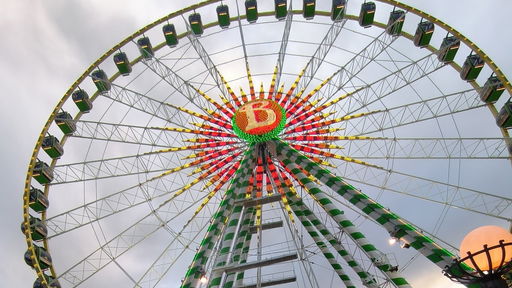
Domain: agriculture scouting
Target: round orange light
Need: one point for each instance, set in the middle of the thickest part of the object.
(490, 235)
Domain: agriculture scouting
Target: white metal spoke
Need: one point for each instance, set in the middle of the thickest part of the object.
(362, 59)
(182, 86)
(148, 105)
(123, 133)
(422, 188)
(391, 83)
(427, 148)
(132, 236)
(284, 44)
(411, 113)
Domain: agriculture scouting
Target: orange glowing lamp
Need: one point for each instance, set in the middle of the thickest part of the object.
(491, 236)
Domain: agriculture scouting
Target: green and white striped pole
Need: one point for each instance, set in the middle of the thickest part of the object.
(239, 244)
(227, 240)
(297, 204)
(292, 159)
(240, 180)
(321, 245)
(392, 222)
(239, 278)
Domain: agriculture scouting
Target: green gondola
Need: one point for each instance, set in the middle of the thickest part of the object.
(65, 122)
(424, 34)
(37, 228)
(367, 14)
(82, 101)
(504, 119)
(395, 22)
(308, 9)
(145, 48)
(52, 282)
(338, 10)
(42, 173)
(223, 16)
(196, 24)
(281, 9)
(448, 49)
(171, 38)
(42, 256)
(37, 201)
(471, 67)
(251, 10)
(52, 147)
(100, 79)
(122, 63)
(492, 90)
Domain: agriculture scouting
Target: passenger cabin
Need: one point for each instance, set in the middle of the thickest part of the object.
(367, 14)
(122, 63)
(448, 49)
(101, 81)
(42, 257)
(145, 48)
(504, 119)
(82, 101)
(251, 10)
(281, 9)
(395, 22)
(308, 9)
(37, 229)
(338, 9)
(52, 146)
(471, 67)
(52, 283)
(65, 122)
(196, 24)
(492, 90)
(42, 173)
(423, 34)
(171, 38)
(37, 201)
(223, 16)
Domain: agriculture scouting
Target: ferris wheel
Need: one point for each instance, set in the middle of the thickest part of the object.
(271, 143)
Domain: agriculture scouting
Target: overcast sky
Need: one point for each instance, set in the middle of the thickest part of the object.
(47, 44)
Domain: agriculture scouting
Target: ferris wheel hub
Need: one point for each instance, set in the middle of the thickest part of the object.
(259, 120)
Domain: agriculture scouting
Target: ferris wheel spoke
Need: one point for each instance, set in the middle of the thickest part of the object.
(242, 37)
(123, 133)
(207, 61)
(119, 201)
(317, 59)
(428, 109)
(182, 86)
(357, 63)
(284, 45)
(156, 219)
(427, 148)
(471, 200)
(147, 163)
(174, 251)
(387, 85)
(131, 197)
(146, 104)
(351, 69)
